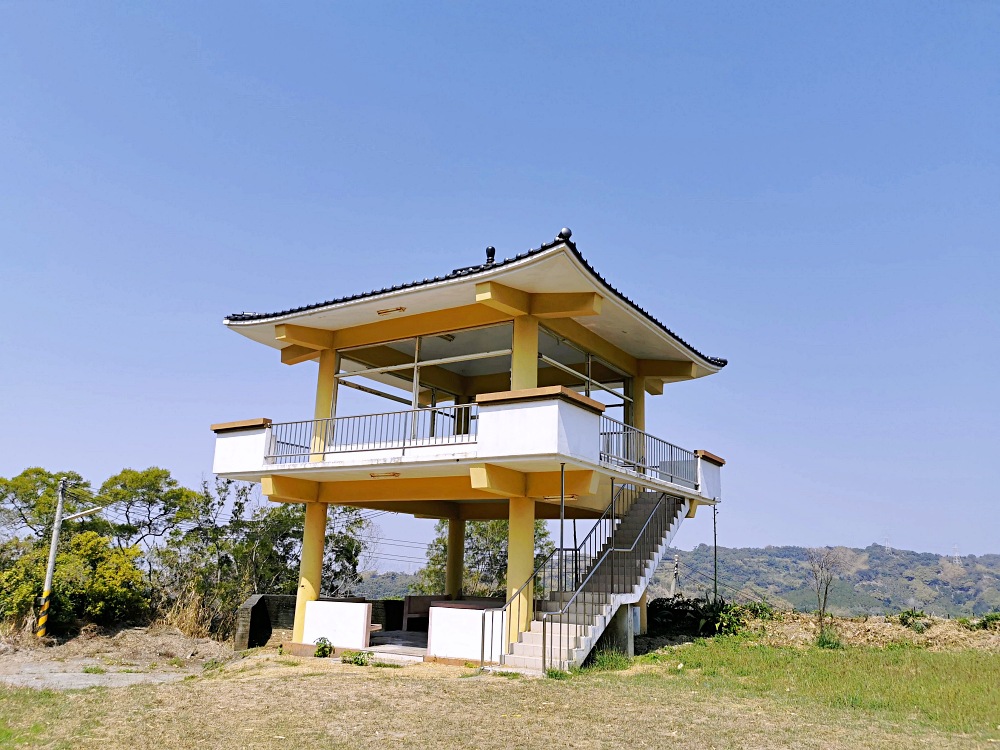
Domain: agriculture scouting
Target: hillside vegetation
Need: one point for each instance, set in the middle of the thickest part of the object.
(875, 580)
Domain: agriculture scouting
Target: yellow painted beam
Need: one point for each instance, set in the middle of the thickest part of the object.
(524, 359)
(419, 488)
(546, 483)
(421, 324)
(498, 480)
(591, 342)
(515, 302)
(667, 369)
(569, 305)
(479, 511)
(653, 387)
(311, 566)
(294, 354)
(289, 489)
(416, 508)
(692, 509)
(506, 299)
(313, 338)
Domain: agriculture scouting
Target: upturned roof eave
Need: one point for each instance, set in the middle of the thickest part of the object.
(484, 272)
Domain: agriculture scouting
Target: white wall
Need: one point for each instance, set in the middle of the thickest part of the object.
(538, 427)
(344, 624)
(457, 633)
(240, 450)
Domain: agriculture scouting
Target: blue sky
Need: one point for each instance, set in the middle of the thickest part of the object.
(811, 190)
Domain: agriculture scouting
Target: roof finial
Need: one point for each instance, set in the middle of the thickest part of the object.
(491, 254)
(565, 233)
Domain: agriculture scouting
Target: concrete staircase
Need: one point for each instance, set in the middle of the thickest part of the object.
(568, 623)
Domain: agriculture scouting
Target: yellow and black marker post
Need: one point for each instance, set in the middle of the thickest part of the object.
(43, 616)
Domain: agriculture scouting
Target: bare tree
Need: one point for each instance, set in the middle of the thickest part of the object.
(825, 563)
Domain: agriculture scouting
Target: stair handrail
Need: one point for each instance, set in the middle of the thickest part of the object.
(593, 571)
(538, 568)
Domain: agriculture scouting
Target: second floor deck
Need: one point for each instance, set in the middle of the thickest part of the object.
(527, 431)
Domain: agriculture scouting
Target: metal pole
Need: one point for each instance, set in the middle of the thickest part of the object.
(43, 617)
(715, 547)
(416, 390)
(562, 524)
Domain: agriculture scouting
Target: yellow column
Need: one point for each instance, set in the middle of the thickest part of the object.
(311, 566)
(524, 357)
(639, 403)
(639, 418)
(326, 400)
(455, 565)
(520, 563)
(643, 601)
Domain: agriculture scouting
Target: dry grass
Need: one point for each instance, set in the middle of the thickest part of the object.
(257, 702)
(941, 635)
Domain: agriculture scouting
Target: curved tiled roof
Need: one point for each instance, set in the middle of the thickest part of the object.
(251, 317)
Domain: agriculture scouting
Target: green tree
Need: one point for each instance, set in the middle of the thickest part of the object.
(223, 549)
(28, 501)
(146, 502)
(485, 558)
(93, 581)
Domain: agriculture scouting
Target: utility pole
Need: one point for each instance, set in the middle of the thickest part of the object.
(715, 547)
(43, 617)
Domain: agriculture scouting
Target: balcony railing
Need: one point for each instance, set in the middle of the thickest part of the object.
(298, 442)
(626, 447)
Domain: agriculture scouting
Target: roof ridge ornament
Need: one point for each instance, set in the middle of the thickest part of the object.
(491, 255)
(565, 233)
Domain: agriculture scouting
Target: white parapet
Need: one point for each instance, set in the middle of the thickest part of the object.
(344, 624)
(241, 446)
(540, 425)
(465, 632)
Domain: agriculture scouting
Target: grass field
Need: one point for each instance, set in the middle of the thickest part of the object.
(725, 693)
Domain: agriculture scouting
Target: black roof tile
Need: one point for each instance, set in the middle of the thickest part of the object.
(248, 317)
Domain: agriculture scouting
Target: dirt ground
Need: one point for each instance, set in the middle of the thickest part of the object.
(270, 701)
(941, 634)
(800, 630)
(117, 658)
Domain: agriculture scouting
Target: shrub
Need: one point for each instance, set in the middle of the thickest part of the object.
(914, 619)
(358, 658)
(828, 638)
(989, 621)
(761, 610)
(696, 617)
(323, 648)
(93, 581)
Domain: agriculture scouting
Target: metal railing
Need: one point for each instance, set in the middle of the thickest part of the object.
(297, 442)
(560, 572)
(626, 447)
(572, 628)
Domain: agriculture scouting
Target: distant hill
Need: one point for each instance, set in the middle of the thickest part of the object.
(384, 585)
(875, 581)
